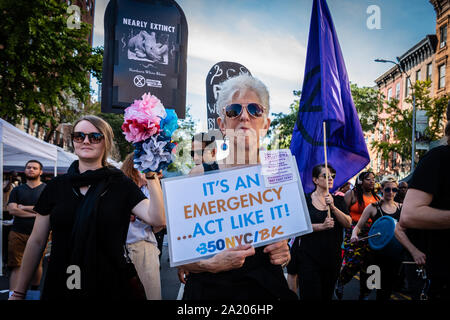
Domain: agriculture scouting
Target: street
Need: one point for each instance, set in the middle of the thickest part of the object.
(173, 290)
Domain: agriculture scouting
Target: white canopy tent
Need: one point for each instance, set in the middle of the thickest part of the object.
(17, 147)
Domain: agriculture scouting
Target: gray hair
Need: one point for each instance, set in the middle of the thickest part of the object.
(241, 83)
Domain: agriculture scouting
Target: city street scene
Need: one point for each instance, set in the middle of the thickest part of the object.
(225, 152)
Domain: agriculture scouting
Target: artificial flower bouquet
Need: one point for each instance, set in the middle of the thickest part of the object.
(149, 126)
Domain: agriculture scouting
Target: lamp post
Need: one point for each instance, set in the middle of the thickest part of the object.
(413, 138)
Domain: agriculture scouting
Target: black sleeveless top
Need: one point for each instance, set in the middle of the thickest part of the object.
(381, 212)
(257, 279)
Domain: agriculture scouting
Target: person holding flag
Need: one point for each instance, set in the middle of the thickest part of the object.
(326, 108)
(326, 97)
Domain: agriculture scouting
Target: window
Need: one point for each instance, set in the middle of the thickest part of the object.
(443, 36)
(397, 91)
(394, 160)
(441, 76)
(407, 87)
(417, 75)
(26, 125)
(389, 95)
(429, 71)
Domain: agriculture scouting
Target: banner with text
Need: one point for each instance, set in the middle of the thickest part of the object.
(145, 51)
(223, 209)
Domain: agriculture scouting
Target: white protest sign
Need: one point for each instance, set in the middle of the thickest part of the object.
(209, 213)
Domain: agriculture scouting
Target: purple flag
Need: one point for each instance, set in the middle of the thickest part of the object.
(326, 96)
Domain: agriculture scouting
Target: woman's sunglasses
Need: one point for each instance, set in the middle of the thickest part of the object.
(93, 137)
(332, 175)
(395, 190)
(234, 110)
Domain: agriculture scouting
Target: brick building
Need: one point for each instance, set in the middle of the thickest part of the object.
(426, 60)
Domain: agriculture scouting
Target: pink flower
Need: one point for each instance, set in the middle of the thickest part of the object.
(142, 118)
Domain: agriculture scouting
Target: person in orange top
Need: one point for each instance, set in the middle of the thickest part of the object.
(356, 254)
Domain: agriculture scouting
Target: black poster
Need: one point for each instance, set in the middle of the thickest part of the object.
(219, 72)
(145, 51)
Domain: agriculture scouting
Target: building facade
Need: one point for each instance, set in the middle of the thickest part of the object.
(426, 60)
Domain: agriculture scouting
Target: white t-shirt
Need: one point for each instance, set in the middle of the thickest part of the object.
(139, 230)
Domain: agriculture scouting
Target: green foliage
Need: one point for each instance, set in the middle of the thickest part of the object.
(183, 162)
(281, 127)
(44, 65)
(368, 102)
(400, 121)
(115, 121)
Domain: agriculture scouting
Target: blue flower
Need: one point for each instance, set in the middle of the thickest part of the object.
(170, 123)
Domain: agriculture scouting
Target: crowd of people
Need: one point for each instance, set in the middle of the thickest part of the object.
(110, 222)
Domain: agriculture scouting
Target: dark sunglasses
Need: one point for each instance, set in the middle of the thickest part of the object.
(234, 110)
(391, 189)
(332, 175)
(93, 137)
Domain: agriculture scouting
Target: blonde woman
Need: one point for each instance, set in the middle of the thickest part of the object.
(88, 211)
(387, 207)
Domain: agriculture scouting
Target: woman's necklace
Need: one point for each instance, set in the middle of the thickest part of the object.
(317, 201)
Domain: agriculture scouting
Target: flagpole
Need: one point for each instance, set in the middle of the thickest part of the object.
(326, 161)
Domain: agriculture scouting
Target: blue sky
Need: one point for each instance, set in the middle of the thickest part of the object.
(270, 39)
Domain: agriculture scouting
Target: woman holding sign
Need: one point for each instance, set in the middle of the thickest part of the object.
(88, 210)
(317, 256)
(242, 272)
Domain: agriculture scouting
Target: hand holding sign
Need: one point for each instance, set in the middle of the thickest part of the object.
(211, 213)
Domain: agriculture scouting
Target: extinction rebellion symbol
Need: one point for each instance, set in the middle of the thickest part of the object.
(139, 81)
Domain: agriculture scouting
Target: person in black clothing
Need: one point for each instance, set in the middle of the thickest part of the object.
(427, 207)
(88, 211)
(389, 265)
(204, 150)
(20, 204)
(242, 272)
(317, 256)
(402, 189)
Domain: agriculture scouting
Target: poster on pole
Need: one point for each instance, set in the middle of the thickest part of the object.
(218, 210)
(145, 51)
(218, 73)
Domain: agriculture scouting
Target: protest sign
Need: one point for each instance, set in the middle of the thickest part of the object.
(209, 213)
(218, 73)
(145, 51)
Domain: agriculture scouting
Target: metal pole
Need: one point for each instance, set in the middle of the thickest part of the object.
(1, 203)
(413, 146)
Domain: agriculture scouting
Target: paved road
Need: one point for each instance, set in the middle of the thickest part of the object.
(171, 285)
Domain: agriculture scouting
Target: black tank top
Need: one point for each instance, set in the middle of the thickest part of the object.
(381, 212)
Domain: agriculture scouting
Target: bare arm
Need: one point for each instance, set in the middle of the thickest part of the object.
(418, 214)
(418, 256)
(348, 198)
(152, 211)
(342, 218)
(20, 212)
(33, 252)
(369, 211)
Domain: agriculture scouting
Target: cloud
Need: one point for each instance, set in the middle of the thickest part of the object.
(273, 53)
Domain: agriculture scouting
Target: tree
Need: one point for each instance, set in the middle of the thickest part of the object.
(281, 127)
(44, 65)
(368, 102)
(400, 120)
(183, 162)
